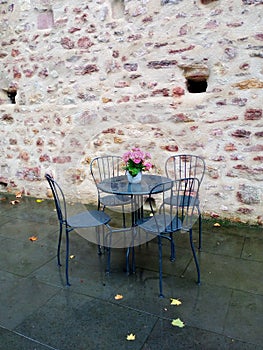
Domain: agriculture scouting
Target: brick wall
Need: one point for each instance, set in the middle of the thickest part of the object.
(97, 77)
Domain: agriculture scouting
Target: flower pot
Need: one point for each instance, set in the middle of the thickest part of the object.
(134, 179)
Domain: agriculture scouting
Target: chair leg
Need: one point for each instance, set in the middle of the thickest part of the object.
(200, 231)
(59, 243)
(107, 246)
(194, 255)
(160, 267)
(108, 261)
(128, 261)
(123, 217)
(172, 257)
(67, 255)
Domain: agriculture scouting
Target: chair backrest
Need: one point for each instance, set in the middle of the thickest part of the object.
(185, 165)
(178, 205)
(59, 198)
(106, 167)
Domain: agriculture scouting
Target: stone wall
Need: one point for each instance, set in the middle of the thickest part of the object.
(85, 78)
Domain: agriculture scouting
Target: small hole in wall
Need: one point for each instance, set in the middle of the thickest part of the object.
(11, 94)
(196, 86)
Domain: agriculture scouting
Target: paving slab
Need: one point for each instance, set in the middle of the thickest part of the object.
(38, 311)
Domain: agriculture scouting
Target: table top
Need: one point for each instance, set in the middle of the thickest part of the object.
(120, 185)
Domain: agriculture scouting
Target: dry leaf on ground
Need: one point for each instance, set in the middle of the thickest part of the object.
(118, 297)
(33, 238)
(178, 323)
(175, 302)
(131, 336)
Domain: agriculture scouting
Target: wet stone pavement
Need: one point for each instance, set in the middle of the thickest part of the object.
(37, 310)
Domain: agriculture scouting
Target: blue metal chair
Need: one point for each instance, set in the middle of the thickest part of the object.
(106, 167)
(88, 218)
(177, 211)
(183, 166)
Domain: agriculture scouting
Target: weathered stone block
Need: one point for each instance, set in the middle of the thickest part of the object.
(248, 194)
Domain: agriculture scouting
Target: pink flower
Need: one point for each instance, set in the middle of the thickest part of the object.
(135, 161)
(148, 166)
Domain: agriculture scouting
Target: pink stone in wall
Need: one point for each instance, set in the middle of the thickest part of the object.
(205, 2)
(183, 30)
(109, 131)
(28, 73)
(161, 64)
(40, 142)
(230, 147)
(259, 36)
(89, 68)
(235, 24)
(134, 37)
(241, 133)
(253, 114)
(188, 48)
(255, 148)
(115, 53)
(121, 84)
(237, 157)
(124, 99)
(171, 148)
(16, 73)
(43, 73)
(45, 20)
(73, 30)
(241, 167)
(24, 156)
(130, 67)
(244, 66)
(211, 24)
(85, 42)
(67, 43)
(62, 159)
(13, 141)
(218, 158)
(164, 92)
(15, 53)
(239, 101)
(177, 91)
(217, 132)
(230, 52)
(29, 174)
(245, 210)
(44, 158)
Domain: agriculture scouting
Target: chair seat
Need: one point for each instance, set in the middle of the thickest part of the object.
(164, 226)
(115, 200)
(89, 218)
(182, 201)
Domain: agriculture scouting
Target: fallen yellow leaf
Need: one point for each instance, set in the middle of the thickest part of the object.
(217, 224)
(33, 238)
(131, 336)
(39, 200)
(118, 297)
(19, 195)
(178, 323)
(175, 302)
(72, 256)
